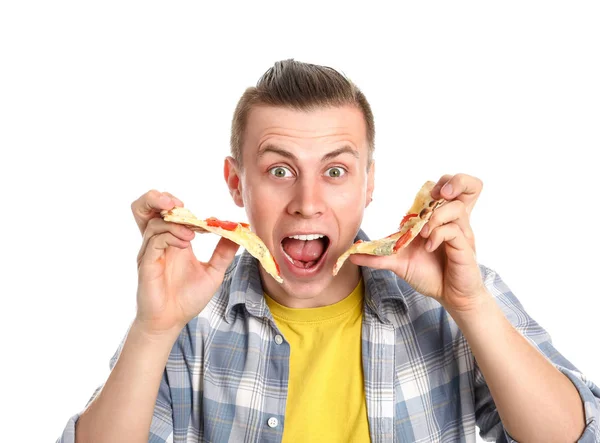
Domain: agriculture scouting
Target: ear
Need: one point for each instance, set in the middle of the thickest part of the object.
(231, 171)
(370, 183)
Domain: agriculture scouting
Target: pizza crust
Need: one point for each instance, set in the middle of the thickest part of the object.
(422, 208)
(240, 234)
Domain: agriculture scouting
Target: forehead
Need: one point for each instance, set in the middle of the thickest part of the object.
(326, 124)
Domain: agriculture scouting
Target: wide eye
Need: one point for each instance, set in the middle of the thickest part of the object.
(280, 172)
(335, 172)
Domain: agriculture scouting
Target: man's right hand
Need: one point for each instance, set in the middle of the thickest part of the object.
(173, 286)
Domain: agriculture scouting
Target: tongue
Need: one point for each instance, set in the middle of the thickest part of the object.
(303, 250)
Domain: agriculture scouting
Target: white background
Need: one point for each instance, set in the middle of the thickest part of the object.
(100, 102)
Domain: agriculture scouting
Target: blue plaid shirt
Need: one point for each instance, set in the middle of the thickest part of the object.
(226, 379)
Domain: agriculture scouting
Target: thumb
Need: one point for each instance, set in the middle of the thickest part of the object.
(222, 257)
(389, 262)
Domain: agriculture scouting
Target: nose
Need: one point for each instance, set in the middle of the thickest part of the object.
(307, 200)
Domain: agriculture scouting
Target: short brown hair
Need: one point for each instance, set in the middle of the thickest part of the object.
(301, 86)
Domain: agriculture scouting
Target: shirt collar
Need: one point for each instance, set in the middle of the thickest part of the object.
(246, 289)
(382, 285)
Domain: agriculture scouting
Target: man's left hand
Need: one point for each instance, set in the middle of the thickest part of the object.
(441, 261)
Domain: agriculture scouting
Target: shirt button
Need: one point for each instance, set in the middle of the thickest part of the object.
(273, 422)
(278, 340)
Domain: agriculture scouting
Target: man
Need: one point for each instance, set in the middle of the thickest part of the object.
(418, 346)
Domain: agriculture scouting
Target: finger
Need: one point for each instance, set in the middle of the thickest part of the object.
(452, 236)
(463, 187)
(435, 192)
(178, 202)
(222, 257)
(157, 226)
(453, 212)
(149, 205)
(374, 261)
(157, 246)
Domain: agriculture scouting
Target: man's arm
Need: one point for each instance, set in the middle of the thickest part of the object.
(173, 287)
(535, 401)
(128, 397)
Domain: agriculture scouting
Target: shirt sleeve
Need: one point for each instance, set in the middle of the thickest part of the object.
(487, 417)
(161, 427)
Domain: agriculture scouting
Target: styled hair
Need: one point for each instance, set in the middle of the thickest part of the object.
(303, 87)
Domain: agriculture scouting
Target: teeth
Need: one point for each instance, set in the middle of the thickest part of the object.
(307, 237)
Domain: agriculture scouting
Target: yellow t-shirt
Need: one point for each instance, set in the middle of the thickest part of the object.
(326, 395)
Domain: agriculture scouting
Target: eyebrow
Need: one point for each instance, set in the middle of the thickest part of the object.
(343, 150)
(347, 149)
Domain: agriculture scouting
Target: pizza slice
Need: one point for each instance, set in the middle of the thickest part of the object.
(410, 226)
(239, 233)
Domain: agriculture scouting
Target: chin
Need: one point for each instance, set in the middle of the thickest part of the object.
(306, 290)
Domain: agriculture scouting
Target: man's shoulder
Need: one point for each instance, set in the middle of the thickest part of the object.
(396, 296)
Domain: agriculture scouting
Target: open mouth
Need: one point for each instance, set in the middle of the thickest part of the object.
(305, 251)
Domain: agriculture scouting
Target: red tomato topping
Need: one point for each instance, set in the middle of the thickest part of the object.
(406, 218)
(402, 241)
(216, 223)
(277, 267)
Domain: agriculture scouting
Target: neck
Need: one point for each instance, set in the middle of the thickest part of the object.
(338, 288)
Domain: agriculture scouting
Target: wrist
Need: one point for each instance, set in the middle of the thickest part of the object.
(144, 332)
(478, 311)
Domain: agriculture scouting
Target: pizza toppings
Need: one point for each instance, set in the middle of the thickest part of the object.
(227, 225)
(277, 268)
(402, 241)
(406, 218)
(239, 233)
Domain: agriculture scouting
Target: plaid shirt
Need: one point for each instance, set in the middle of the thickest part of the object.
(226, 379)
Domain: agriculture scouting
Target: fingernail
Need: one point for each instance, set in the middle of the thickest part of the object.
(164, 200)
(428, 245)
(447, 189)
(425, 230)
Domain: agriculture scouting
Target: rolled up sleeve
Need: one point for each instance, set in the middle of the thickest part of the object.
(487, 417)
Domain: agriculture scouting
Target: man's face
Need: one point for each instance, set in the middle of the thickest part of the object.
(304, 184)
